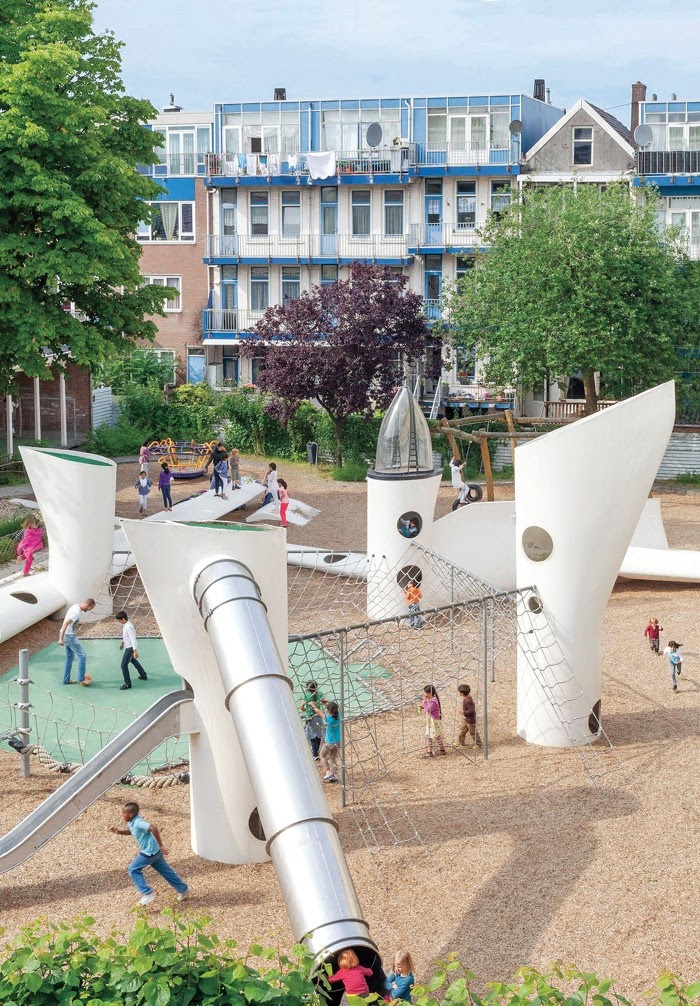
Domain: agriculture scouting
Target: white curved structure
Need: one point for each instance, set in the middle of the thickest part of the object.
(75, 493)
(559, 679)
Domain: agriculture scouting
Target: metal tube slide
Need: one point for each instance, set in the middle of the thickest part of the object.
(162, 720)
(302, 837)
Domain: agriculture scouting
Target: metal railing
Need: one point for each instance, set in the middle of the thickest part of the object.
(668, 162)
(380, 160)
(568, 408)
(468, 152)
(443, 236)
(306, 246)
(224, 320)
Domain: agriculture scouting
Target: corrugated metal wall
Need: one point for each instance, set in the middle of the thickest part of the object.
(102, 407)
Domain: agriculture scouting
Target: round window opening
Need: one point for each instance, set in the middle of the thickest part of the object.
(255, 825)
(409, 574)
(409, 524)
(534, 604)
(537, 544)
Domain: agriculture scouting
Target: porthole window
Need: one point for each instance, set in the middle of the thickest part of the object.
(537, 544)
(409, 524)
(408, 574)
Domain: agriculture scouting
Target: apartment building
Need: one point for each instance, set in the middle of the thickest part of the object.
(263, 200)
(668, 137)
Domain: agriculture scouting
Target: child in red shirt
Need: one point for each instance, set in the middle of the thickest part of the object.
(652, 633)
(351, 973)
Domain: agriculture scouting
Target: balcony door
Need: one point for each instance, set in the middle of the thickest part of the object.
(228, 221)
(433, 211)
(433, 285)
(329, 222)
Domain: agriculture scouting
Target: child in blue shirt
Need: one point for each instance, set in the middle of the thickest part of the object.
(400, 981)
(151, 853)
(330, 749)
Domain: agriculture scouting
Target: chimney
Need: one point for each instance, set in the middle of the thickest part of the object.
(639, 94)
(172, 107)
(538, 92)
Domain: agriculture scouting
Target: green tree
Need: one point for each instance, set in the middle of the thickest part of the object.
(70, 195)
(579, 279)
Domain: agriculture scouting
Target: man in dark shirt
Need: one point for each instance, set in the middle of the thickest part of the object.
(468, 717)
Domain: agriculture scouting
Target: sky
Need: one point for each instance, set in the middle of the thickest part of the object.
(223, 50)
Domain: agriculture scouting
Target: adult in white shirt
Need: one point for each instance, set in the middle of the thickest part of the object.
(131, 652)
(68, 637)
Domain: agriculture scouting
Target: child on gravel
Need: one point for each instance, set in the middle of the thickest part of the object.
(144, 457)
(433, 721)
(164, 480)
(32, 541)
(352, 974)
(143, 487)
(675, 659)
(400, 981)
(151, 853)
(468, 717)
(329, 750)
(413, 596)
(652, 634)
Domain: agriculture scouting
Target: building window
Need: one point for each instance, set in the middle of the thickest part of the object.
(172, 304)
(259, 213)
(291, 283)
(466, 205)
(433, 277)
(259, 288)
(437, 128)
(464, 265)
(500, 196)
(465, 360)
(229, 287)
(583, 145)
(169, 222)
(361, 212)
(231, 362)
(291, 213)
(393, 212)
(329, 275)
(186, 150)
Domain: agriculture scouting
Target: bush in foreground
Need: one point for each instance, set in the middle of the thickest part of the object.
(183, 963)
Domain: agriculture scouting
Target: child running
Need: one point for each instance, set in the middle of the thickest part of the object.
(675, 659)
(151, 853)
(143, 487)
(164, 480)
(400, 981)
(652, 634)
(433, 721)
(352, 974)
(284, 500)
(32, 541)
(330, 748)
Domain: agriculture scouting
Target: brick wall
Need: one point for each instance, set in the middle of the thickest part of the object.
(178, 329)
(78, 407)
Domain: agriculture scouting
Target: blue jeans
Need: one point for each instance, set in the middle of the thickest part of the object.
(268, 498)
(129, 658)
(167, 498)
(415, 620)
(161, 866)
(73, 649)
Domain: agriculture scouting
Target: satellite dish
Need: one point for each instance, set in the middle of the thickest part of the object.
(643, 135)
(374, 134)
(515, 127)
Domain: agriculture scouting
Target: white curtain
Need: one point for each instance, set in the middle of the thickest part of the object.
(168, 214)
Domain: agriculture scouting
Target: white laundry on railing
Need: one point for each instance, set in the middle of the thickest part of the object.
(321, 164)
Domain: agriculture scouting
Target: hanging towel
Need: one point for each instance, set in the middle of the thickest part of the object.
(251, 164)
(273, 164)
(292, 161)
(322, 164)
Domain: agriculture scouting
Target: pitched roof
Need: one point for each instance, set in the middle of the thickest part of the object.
(616, 124)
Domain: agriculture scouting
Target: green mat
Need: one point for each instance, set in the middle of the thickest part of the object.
(73, 723)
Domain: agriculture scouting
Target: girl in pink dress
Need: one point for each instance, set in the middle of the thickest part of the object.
(32, 541)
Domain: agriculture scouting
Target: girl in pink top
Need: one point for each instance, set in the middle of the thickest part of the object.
(32, 541)
(284, 500)
(351, 973)
(433, 721)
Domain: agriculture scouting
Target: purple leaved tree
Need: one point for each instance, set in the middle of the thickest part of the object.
(343, 345)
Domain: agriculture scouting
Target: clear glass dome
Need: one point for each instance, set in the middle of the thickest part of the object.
(404, 446)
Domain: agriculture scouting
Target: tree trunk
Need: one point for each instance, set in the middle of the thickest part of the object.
(591, 406)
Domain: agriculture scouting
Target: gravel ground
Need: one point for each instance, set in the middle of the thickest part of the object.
(522, 859)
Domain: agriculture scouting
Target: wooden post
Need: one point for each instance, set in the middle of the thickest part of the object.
(511, 427)
(488, 474)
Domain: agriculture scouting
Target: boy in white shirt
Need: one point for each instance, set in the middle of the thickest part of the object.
(129, 644)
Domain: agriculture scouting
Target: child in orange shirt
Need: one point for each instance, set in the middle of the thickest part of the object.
(413, 598)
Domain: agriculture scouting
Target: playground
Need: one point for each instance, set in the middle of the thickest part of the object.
(518, 859)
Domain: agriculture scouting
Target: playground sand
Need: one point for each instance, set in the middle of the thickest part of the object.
(522, 859)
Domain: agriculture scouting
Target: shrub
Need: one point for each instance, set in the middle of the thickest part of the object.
(351, 471)
(116, 441)
(688, 479)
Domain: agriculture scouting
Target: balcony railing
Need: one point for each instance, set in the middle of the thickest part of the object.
(466, 153)
(668, 162)
(176, 164)
(229, 320)
(443, 236)
(369, 162)
(302, 247)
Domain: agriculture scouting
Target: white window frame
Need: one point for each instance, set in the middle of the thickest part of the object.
(286, 193)
(258, 193)
(145, 230)
(361, 205)
(392, 205)
(173, 283)
(575, 141)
